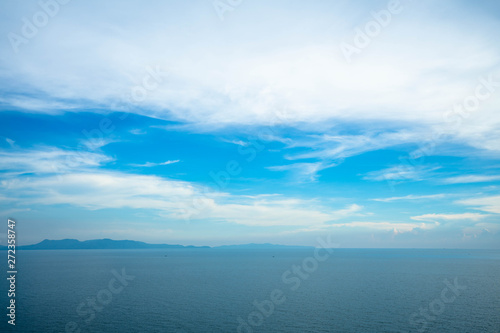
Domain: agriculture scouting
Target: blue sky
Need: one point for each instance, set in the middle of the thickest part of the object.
(223, 122)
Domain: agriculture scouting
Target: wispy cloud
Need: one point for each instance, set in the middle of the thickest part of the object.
(339, 147)
(48, 160)
(369, 226)
(349, 211)
(9, 212)
(96, 144)
(238, 142)
(489, 204)
(151, 164)
(11, 142)
(411, 197)
(137, 131)
(302, 172)
(400, 173)
(470, 179)
(450, 217)
(332, 150)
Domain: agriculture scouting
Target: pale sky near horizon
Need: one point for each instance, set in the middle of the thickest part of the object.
(229, 122)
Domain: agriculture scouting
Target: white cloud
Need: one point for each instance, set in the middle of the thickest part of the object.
(411, 197)
(331, 150)
(401, 172)
(96, 144)
(338, 147)
(71, 177)
(279, 212)
(302, 172)
(11, 211)
(11, 142)
(137, 131)
(238, 142)
(470, 179)
(151, 164)
(489, 204)
(394, 227)
(479, 228)
(410, 77)
(349, 211)
(48, 160)
(450, 217)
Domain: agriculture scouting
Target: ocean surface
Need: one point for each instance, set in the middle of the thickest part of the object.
(282, 290)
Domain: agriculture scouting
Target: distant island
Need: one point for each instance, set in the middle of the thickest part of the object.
(110, 244)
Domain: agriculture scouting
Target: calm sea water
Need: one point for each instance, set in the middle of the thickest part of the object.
(208, 290)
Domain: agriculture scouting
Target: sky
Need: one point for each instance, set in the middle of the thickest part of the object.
(237, 121)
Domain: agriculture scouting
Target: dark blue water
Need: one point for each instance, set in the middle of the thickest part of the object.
(207, 290)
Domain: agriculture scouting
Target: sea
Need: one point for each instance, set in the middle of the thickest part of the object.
(255, 290)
